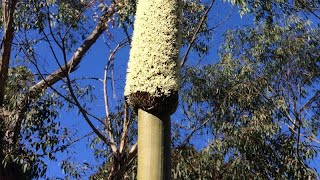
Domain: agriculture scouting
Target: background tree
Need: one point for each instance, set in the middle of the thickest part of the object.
(261, 103)
(29, 132)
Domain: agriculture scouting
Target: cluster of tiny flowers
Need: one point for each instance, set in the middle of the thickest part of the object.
(153, 65)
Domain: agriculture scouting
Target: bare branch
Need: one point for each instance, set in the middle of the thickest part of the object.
(194, 130)
(305, 136)
(77, 56)
(126, 124)
(81, 109)
(125, 29)
(63, 147)
(25, 103)
(195, 35)
(105, 95)
(223, 21)
(307, 104)
(107, 120)
(78, 17)
(87, 78)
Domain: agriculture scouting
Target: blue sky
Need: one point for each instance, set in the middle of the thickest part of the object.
(93, 66)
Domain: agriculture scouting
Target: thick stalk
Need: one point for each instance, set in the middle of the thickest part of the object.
(153, 146)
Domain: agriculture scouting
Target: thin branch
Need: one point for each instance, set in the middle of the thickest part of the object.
(87, 78)
(52, 49)
(298, 139)
(307, 104)
(105, 95)
(126, 125)
(223, 21)
(195, 35)
(194, 129)
(63, 147)
(78, 17)
(75, 99)
(133, 151)
(50, 29)
(66, 98)
(77, 56)
(107, 121)
(25, 104)
(125, 29)
(305, 136)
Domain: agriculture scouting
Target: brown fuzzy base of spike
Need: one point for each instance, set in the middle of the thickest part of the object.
(162, 105)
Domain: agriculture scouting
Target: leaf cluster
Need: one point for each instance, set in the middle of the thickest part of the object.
(262, 95)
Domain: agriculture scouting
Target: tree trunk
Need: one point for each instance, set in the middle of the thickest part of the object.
(10, 173)
(8, 7)
(153, 146)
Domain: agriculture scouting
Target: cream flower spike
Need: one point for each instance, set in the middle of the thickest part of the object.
(153, 74)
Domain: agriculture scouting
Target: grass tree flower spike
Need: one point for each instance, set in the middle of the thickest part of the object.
(153, 74)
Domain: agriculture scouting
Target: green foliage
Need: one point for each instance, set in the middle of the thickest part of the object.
(126, 11)
(40, 135)
(192, 12)
(263, 95)
(271, 10)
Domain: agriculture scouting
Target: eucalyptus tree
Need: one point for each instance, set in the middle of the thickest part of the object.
(28, 110)
(262, 104)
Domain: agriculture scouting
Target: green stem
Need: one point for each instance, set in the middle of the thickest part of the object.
(153, 146)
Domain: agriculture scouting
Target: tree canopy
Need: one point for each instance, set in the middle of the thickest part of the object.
(261, 100)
